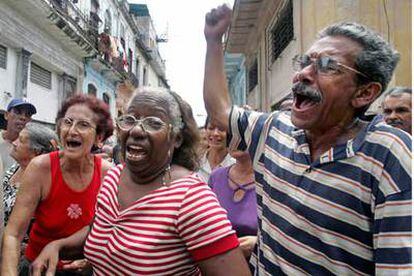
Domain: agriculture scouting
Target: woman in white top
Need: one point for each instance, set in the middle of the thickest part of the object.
(216, 155)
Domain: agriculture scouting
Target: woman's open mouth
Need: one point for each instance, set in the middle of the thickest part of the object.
(73, 144)
(135, 153)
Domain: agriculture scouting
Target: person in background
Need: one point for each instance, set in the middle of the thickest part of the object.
(396, 108)
(107, 151)
(116, 154)
(33, 140)
(285, 104)
(155, 203)
(235, 189)
(203, 147)
(59, 189)
(333, 192)
(216, 155)
(19, 113)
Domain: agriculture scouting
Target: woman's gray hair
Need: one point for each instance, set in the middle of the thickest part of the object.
(171, 103)
(41, 138)
(181, 114)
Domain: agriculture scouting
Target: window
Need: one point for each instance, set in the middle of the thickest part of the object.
(69, 85)
(108, 22)
(144, 76)
(122, 32)
(40, 76)
(282, 31)
(3, 57)
(92, 89)
(106, 99)
(94, 6)
(137, 70)
(253, 76)
(130, 56)
(122, 36)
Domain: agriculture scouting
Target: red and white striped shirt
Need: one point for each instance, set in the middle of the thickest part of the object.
(162, 233)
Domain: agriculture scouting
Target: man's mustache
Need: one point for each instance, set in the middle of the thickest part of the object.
(300, 88)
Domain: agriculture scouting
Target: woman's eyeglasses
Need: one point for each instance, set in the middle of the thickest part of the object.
(324, 65)
(149, 124)
(80, 125)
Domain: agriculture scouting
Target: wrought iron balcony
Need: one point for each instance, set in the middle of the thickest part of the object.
(75, 24)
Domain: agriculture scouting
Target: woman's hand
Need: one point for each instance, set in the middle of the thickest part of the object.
(82, 267)
(247, 244)
(47, 260)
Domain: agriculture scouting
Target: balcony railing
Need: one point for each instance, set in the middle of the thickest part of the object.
(156, 61)
(82, 29)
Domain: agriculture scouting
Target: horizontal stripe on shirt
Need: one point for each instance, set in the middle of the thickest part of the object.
(348, 212)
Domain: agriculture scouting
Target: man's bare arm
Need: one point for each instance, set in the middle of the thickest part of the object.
(216, 97)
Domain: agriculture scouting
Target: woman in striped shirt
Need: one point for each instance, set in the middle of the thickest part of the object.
(154, 216)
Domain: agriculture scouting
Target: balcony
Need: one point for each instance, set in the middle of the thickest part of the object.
(79, 28)
(111, 64)
(156, 62)
(63, 20)
(106, 69)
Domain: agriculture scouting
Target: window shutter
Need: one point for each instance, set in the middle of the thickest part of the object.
(3, 57)
(40, 76)
(282, 32)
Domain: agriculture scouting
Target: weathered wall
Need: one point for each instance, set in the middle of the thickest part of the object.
(392, 19)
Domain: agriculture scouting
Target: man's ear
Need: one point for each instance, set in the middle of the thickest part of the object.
(366, 94)
(6, 115)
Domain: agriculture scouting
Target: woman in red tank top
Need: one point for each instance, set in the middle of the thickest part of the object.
(59, 189)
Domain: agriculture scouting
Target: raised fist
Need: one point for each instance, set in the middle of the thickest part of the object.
(217, 22)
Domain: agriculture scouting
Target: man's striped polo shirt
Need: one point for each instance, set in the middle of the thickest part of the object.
(347, 213)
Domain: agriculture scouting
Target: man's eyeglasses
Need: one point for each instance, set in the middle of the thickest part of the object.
(80, 125)
(149, 124)
(324, 65)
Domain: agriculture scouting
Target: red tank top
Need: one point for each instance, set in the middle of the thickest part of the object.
(64, 211)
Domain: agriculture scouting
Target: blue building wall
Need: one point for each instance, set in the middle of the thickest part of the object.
(102, 85)
(236, 77)
(237, 88)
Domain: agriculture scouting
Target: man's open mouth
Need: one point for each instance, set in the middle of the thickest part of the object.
(305, 97)
(304, 101)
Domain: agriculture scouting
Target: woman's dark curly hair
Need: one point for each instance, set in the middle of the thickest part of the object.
(104, 124)
(186, 155)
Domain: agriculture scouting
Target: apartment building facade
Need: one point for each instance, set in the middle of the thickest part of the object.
(269, 33)
(51, 49)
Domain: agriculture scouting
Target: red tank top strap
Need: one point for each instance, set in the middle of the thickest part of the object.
(54, 161)
(56, 174)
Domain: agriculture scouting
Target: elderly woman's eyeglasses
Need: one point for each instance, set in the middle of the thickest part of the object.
(324, 65)
(149, 124)
(80, 125)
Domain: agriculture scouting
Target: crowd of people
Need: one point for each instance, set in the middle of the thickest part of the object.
(315, 187)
